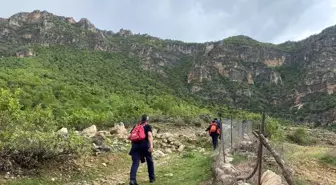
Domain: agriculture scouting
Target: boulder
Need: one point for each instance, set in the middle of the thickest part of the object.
(119, 130)
(90, 131)
(270, 178)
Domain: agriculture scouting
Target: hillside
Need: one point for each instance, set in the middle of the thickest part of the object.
(79, 71)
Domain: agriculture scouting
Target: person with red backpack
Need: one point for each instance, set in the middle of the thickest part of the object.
(214, 132)
(142, 147)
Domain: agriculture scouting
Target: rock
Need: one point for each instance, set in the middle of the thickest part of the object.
(158, 154)
(98, 139)
(168, 151)
(119, 130)
(242, 183)
(228, 169)
(181, 148)
(90, 131)
(201, 150)
(228, 159)
(168, 175)
(102, 148)
(63, 131)
(219, 171)
(203, 134)
(154, 131)
(270, 178)
(226, 179)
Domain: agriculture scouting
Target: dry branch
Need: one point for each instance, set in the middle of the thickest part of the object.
(285, 171)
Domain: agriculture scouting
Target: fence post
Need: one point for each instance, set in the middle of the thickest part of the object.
(222, 139)
(262, 128)
(231, 132)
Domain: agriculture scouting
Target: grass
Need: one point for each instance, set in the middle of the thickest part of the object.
(299, 181)
(177, 169)
(312, 164)
(90, 169)
(237, 158)
(189, 168)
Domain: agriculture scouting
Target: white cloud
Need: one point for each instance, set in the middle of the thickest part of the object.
(195, 20)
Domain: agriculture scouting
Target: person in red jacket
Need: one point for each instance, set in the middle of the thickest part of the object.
(214, 132)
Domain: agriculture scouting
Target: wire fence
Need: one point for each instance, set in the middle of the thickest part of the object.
(234, 131)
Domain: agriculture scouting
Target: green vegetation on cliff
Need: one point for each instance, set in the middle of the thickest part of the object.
(82, 87)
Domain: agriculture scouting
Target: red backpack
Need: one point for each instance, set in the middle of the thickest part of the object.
(138, 133)
(214, 128)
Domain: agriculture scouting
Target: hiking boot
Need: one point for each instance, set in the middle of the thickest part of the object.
(151, 180)
(133, 183)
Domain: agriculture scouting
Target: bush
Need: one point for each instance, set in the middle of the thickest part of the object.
(301, 137)
(30, 150)
(329, 158)
(27, 140)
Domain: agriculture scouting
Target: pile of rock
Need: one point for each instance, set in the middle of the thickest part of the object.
(168, 143)
(99, 138)
(224, 172)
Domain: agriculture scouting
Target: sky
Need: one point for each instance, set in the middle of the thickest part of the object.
(274, 21)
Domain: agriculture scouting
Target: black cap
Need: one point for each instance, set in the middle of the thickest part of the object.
(215, 119)
(144, 117)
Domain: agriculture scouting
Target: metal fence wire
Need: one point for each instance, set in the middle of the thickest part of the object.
(234, 131)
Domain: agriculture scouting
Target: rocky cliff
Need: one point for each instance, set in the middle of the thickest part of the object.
(293, 79)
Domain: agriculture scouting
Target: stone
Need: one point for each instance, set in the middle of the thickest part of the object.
(120, 131)
(158, 154)
(90, 131)
(228, 169)
(154, 131)
(168, 151)
(63, 131)
(227, 179)
(270, 178)
(169, 175)
(242, 183)
(201, 150)
(181, 148)
(228, 159)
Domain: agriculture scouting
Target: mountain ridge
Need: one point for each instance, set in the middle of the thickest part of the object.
(84, 20)
(237, 71)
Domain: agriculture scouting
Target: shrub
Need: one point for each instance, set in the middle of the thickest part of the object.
(300, 137)
(329, 158)
(27, 140)
(189, 155)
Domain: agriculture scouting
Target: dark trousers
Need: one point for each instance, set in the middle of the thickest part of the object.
(214, 140)
(136, 156)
